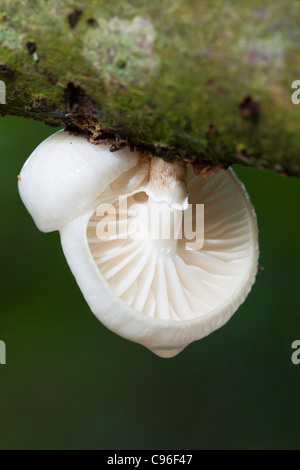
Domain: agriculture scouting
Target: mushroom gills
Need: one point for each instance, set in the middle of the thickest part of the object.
(159, 277)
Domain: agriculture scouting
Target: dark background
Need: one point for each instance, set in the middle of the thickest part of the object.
(69, 383)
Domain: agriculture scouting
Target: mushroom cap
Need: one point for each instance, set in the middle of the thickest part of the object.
(167, 298)
(65, 174)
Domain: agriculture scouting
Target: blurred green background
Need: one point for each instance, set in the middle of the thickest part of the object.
(69, 383)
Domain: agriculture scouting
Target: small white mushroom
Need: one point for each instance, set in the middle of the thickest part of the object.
(160, 291)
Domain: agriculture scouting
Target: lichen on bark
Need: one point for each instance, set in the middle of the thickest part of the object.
(209, 82)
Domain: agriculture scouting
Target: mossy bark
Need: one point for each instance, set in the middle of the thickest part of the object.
(203, 81)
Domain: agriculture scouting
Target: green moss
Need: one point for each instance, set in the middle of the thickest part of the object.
(122, 50)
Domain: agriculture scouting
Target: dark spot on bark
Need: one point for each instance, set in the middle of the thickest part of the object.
(31, 47)
(249, 108)
(7, 74)
(92, 22)
(6, 70)
(211, 128)
(74, 17)
(77, 100)
(260, 269)
(83, 117)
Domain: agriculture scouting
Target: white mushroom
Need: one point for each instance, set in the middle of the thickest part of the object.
(163, 291)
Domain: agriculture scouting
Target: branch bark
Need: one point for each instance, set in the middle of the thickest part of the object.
(209, 82)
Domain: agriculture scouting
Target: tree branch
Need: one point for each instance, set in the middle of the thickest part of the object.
(205, 81)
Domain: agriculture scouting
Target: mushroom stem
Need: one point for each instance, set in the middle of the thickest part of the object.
(164, 227)
(167, 183)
